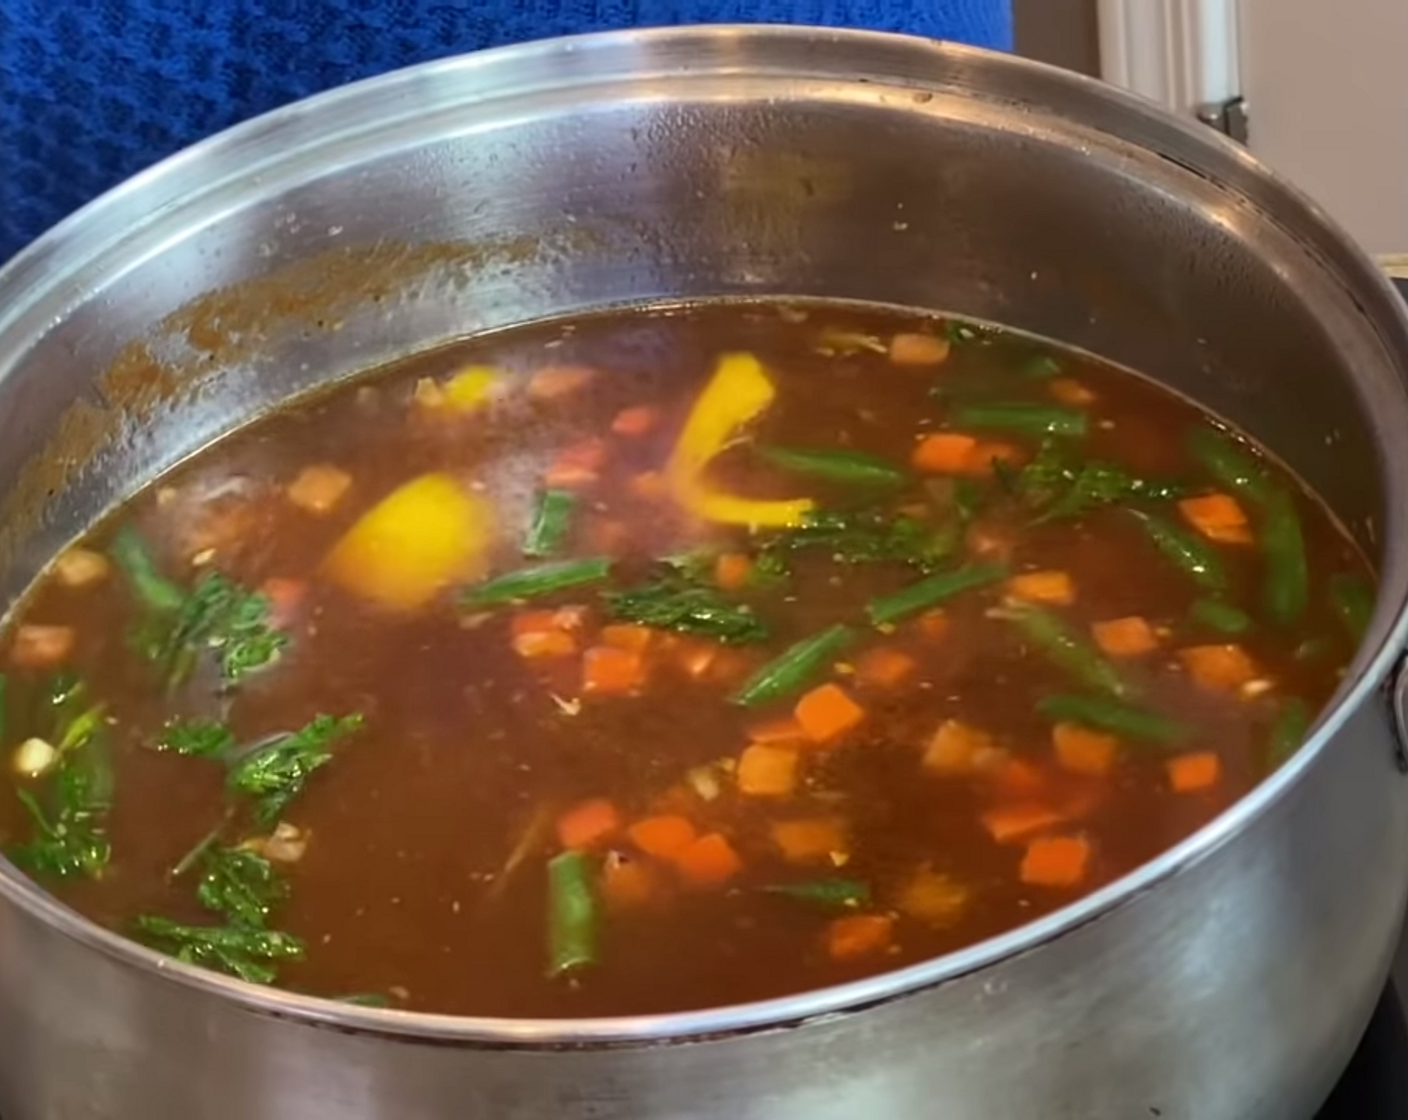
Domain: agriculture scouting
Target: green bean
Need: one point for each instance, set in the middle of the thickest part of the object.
(835, 466)
(133, 556)
(552, 518)
(572, 916)
(1066, 648)
(1185, 550)
(1222, 617)
(532, 583)
(794, 667)
(1287, 590)
(1228, 463)
(1288, 730)
(828, 894)
(1022, 418)
(1110, 715)
(927, 592)
(1353, 600)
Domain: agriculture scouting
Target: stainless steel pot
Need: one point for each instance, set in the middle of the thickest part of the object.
(1228, 979)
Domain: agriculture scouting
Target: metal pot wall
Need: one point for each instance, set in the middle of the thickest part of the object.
(1228, 979)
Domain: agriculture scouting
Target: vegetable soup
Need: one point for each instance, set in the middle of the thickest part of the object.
(665, 659)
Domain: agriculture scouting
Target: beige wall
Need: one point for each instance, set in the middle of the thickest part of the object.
(1063, 32)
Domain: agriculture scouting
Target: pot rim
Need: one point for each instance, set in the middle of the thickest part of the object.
(1385, 639)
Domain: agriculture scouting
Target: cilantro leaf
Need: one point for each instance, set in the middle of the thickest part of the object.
(274, 773)
(240, 884)
(197, 737)
(250, 953)
(673, 604)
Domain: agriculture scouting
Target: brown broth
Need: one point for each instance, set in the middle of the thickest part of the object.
(401, 889)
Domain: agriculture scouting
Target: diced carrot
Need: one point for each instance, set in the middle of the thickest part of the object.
(578, 465)
(1219, 517)
(910, 348)
(956, 748)
(552, 382)
(944, 453)
(765, 771)
(1056, 861)
(1009, 824)
(544, 643)
(982, 458)
(623, 635)
(827, 713)
(733, 571)
(588, 823)
(934, 898)
(635, 421)
(81, 567)
(1125, 637)
(932, 624)
(812, 839)
(627, 884)
(319, 488)
(1053, 587)
(285, 595)
(662, 836)
(884, 667)
(1017, 777)
(1221, 667)
(650, 486)
(1069, 391)
(537, 622)
(1082, 750)
(612, 671)
(42, 647)
(708, 862)
(1193, 772)
(784, 729)
(858, 935)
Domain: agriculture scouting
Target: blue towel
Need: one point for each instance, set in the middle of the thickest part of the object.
(92, 91)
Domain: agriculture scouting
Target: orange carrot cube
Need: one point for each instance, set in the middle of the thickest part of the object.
(956, 748)
(624, 635)
(1125, 637)
(1056, 861)
(627, 884)
(708, 862)
(1219, 517)
(1069, 391)
(859, 935)
(587, 824)
(635, 421)
(534, 644)
(609, 671)
(733, 571)
(1082, 750)
(1009, 824)
(765, 771)
(319, 488)
(1194, 772)
(884, 667)
(785, 729)
(911, 348)
(811, 839)
(828, 712)
(1219, 667)
(1053, 587)
(945, 453)
(663, 836)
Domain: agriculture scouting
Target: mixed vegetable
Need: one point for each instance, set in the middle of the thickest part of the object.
(879, 640)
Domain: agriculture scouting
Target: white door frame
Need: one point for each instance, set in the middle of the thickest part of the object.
(1183, 54)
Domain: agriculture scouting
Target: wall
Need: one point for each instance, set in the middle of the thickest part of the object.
(1062, 32)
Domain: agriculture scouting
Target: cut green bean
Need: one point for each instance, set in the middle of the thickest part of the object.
(1221, 616)
(1288, 730)
(828, 894)
(1110, 715)
(131, 554)
(929, 592)
(834, 466)
(1021, 418)
(1224, 459)
(1186, 551)
(1286, 593)
(1063, 646)
(533, 583)
(572, 915)
(1353, 600)
(795, 666)
(552, 519)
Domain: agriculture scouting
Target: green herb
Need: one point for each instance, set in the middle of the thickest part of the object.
(1063, 646)
(252, 954)
(862, 538)
(1353, 601)
(672, 604)
(834, 465)
(572, 915)
(197, 737)
(1186, 551)
(1286, 593)
(1288, 730)
(1221, 616)
(1228, 463)
(829, 894)
(552, 519)
(1110, 715)
(535, 582)
(157, 593)
(217, 616)
(1050, 484)
(274, 773)
(928, 592)
(240, 884)
(1021, 417)
(795, 666)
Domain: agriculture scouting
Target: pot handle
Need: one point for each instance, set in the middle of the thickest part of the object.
(1397, 686)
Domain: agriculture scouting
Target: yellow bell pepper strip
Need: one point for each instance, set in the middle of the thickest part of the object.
(427, 534)
(737, 393)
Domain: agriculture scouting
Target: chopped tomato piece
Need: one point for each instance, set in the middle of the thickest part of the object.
(662, 836)
(635, 421)
(827, 713)
(611, 671)
(319, 488)
(552, 382)
(1194, 772)
(1124, 637)
(884, 667)
(957, 748)
(812, 839)
(1219, 517)
(1056, 861)
(1220, 667)
(859, 935)
(1082, 750)
(42, 647)
(1053, 587)
(544, 643)
(733, 571)
(708, 862)
(536, 622)
(588, 823)
(765, 771)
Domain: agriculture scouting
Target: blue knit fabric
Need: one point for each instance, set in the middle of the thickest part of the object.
(92, 91)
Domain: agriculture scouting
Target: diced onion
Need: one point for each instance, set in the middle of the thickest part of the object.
(34, 756)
